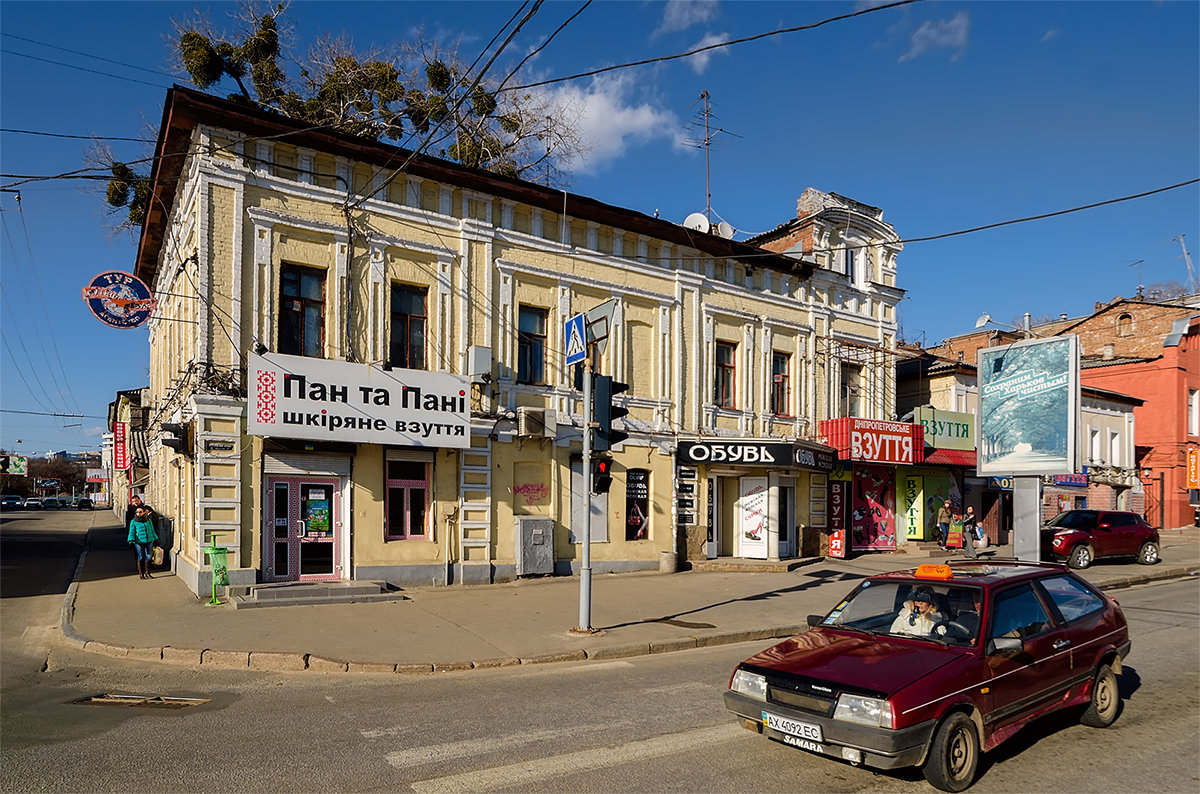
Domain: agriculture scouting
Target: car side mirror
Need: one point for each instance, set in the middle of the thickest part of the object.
(815, 620)
(1004, 644)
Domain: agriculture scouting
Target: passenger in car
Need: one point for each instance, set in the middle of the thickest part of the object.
(918, 616)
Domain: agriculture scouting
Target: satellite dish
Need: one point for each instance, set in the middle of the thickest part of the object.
(724, 230)
(696, 222)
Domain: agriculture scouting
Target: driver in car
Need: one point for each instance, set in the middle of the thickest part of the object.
(918, 615)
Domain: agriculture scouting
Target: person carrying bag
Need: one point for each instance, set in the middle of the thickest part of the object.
(142, 537)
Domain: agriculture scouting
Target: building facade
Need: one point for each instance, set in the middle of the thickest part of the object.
(358, 372)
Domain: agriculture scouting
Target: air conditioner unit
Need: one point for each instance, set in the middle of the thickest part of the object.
(536, 423)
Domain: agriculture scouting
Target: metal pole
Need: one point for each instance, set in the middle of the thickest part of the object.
(585, 571)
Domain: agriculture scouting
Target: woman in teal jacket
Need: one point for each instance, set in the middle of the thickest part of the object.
(142, 537)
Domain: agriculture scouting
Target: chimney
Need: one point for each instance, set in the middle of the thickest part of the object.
(1062, 316)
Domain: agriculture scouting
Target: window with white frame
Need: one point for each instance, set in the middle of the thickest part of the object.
(1193, 412)
(1114, 448)
(1095, 451)
(724, 375)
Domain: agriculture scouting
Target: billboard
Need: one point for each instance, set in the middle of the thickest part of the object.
(1028, 407)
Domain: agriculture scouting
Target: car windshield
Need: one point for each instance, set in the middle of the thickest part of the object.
(937, 612)
(1074, 519)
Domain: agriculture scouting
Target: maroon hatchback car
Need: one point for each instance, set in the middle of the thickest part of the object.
(933, 666)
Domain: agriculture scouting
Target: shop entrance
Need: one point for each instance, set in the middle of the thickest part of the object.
(303, 532)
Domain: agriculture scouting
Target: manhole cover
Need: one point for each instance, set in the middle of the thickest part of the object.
(142, 701)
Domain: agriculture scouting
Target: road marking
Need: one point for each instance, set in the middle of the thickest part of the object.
(527, 774)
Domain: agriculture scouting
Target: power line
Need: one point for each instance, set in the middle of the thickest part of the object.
(85, 69)
(77, 137)
(86, 54)
(718, 45)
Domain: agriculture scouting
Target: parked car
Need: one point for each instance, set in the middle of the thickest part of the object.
(929, 667)
(11, 502)
(1082, 536)
(32, 503)
(84, 504)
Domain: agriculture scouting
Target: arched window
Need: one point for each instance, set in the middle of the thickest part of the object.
(1125, 325)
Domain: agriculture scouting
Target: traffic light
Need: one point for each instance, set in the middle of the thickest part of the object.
(601, 473)
(175, 436)
(604, 412)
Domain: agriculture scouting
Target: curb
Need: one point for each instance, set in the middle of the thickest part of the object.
(294, 662)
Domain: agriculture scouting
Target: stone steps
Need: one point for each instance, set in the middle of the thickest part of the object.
(283, 594)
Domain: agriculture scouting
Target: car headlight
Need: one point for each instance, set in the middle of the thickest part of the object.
(864, 711)
(749, 684)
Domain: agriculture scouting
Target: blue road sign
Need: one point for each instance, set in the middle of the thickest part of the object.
(573, 340)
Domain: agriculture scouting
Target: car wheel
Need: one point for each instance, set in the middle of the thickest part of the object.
(1106, 700)
(1149, 553)
(1081, 556)
(954, 756)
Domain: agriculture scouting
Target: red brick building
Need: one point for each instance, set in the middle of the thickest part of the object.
(1152, 351)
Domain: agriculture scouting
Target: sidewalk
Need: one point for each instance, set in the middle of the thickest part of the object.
(109, 610)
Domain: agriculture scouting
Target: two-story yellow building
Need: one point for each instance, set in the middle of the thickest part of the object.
(366, 351)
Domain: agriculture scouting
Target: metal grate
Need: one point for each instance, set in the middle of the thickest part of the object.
(142, 701)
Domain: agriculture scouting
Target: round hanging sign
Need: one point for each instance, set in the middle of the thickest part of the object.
(121, 300)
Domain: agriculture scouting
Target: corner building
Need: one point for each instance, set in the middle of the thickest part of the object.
(369, 363)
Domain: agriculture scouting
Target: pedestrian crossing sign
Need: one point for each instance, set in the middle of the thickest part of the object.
(573, 340)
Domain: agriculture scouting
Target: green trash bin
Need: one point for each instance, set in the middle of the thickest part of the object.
(217, 556)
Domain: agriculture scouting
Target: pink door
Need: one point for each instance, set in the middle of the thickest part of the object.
(303, 529)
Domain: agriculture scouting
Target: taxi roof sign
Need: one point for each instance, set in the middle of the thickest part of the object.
(930, 571)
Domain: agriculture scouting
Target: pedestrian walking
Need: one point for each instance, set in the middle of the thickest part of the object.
(943, 523)
(970, 532)
(142, 537)
(135, 502)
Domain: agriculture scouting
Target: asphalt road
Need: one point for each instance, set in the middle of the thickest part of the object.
(653, 723)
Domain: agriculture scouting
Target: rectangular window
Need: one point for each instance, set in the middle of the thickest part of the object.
(408, 491)
(407, 346)
(724, 380)
(1193, 410)
(1095, 451)
(531, 345)
(302, 311)
(851, 261)
(781, 365)
(1114, 448)
(851, 389)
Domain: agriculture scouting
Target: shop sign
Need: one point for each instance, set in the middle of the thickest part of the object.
(685, 487)
(839, 491)
(1193, 468)
(875, 441)
(1000, 483)
(815, 459)
(119, 299)
(311, 398)
(685, 504)
(685, 473)
(97, 475)
(218, 446)
(686, 519)
(637, 504)
(744, 453)
(1076, 480)
(120, 446)
(946, 429)
(914, 517)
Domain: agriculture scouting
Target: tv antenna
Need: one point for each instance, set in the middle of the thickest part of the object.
(707, 143)
(1138, 265)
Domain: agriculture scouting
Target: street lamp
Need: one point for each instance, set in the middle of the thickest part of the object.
(986, 318)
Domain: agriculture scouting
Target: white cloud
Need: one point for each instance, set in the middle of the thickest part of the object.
(699, 62)
(1050, 34)
(609, 123)
(950, 34)
(683, 14)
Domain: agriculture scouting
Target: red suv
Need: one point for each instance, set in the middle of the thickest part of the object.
(1083, 536)
(932, 667)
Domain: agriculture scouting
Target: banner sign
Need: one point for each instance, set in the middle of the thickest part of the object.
(637, 504)
(14, 464)
(1028, 404)
(753, 504)
(1076, 480)
(313, 398)
(97, 475)
(914, 516)
(946, 429)
(1193, 468)
(121, 300)
(120, 446)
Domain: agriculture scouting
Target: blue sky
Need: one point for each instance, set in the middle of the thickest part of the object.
(946, 115)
